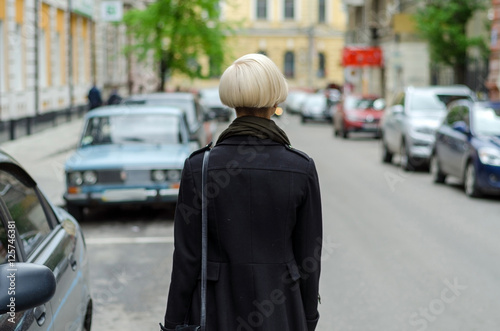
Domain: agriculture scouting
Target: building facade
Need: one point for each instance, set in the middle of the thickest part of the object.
(303, 37)
(50, 56)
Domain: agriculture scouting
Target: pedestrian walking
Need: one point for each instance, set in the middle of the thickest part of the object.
(264, 218)
(114, 98)
(94, 96)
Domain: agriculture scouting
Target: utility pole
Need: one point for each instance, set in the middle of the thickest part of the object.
(70, 58)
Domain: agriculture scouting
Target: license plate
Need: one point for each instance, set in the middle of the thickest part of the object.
(370, 126)
(124, 195)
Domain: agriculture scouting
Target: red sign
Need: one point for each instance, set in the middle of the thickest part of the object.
(361, 56)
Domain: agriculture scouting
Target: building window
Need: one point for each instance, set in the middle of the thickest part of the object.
(322, 11)
(42, 58)
(57, 59)
(321, 65)
(2, 66)
(289, 9)
(261, 9)
(18, 59)
(289, 65)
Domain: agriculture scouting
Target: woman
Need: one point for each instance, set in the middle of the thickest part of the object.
(264, 218)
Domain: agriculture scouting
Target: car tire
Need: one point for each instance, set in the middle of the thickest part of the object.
(344, 133)
(75, 211)
(303, 119)
(87, 321)
(470, 181)
(405, 161)
(438, 176)
(386, 154)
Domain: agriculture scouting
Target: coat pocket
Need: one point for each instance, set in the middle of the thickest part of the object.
(293, 269)
(213, 270)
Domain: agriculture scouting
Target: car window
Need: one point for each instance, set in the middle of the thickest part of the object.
(486, 121)
(3, 244)
(26, 211)
(459, 113)
(127, 129)
(426, 101)
(187, 105)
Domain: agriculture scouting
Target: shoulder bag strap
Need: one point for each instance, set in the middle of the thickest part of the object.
(204, 240)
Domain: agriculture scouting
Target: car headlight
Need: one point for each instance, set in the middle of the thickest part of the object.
(89, 177)
(489, 156)
(158, 175)
(75, 179)
(174, 175)
(424, 130)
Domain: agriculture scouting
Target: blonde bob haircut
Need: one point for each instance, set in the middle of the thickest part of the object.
(252, 81)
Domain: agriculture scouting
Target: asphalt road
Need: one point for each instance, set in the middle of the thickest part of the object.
(400, 253)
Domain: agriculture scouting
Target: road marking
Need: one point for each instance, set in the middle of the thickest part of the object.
(131, 240)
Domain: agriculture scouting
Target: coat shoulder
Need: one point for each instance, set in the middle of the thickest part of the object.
(201, 150)
(296, 151)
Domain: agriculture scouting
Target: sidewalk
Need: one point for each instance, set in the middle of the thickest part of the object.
(43, 155)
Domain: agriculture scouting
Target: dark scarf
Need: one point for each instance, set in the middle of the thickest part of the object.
(259, 127)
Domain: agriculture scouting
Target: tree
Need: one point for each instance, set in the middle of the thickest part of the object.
(443, 24)
(176, 33)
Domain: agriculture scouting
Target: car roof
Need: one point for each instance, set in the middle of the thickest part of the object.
(8, 163)
(442, 89)
(133, 109)
(162, 96)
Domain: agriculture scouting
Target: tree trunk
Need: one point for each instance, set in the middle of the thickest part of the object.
(163, 73)
(459, 72)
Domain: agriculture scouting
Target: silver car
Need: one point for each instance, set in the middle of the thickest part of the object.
(409, 124)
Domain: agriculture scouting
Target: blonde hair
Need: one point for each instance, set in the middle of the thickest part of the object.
(252, 81)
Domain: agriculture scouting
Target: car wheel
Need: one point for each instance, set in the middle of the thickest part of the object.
(470, 181)
(386, 154)
(75, 211)
(437, 174)
(405, 160)
(303, 119)
(344, 132)
(87, 322)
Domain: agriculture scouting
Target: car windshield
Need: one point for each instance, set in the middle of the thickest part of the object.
(132, 129)
(210, 94)
(316, 101)
(184, 104)
(486, 121)
(430, 102)
(358, 103)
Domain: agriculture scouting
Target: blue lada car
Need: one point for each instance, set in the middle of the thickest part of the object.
(128, 154)
(468, 147)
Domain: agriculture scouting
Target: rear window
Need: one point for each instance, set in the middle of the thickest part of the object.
(428, 102)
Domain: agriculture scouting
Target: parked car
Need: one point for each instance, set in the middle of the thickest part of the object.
(210, 99)
(195, 113)
(468, 147)
(357, 113)
(316, 107)
(410, 123)
(294, 101)
(43, 247)
(127, 154)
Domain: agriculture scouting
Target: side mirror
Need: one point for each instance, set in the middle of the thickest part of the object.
(397, 109)
(461, 126)
(209, 116)
(379, 104)
(25, 286)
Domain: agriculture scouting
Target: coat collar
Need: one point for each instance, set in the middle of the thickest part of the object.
(248, 140)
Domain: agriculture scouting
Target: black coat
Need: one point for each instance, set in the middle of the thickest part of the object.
(264, 239)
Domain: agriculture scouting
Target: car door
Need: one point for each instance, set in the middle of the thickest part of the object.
(13, 236)
(393, 121)
(43, 239)
(454, 144)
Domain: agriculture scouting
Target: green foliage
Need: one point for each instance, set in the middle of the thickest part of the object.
(443, 24)
(175, 33)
